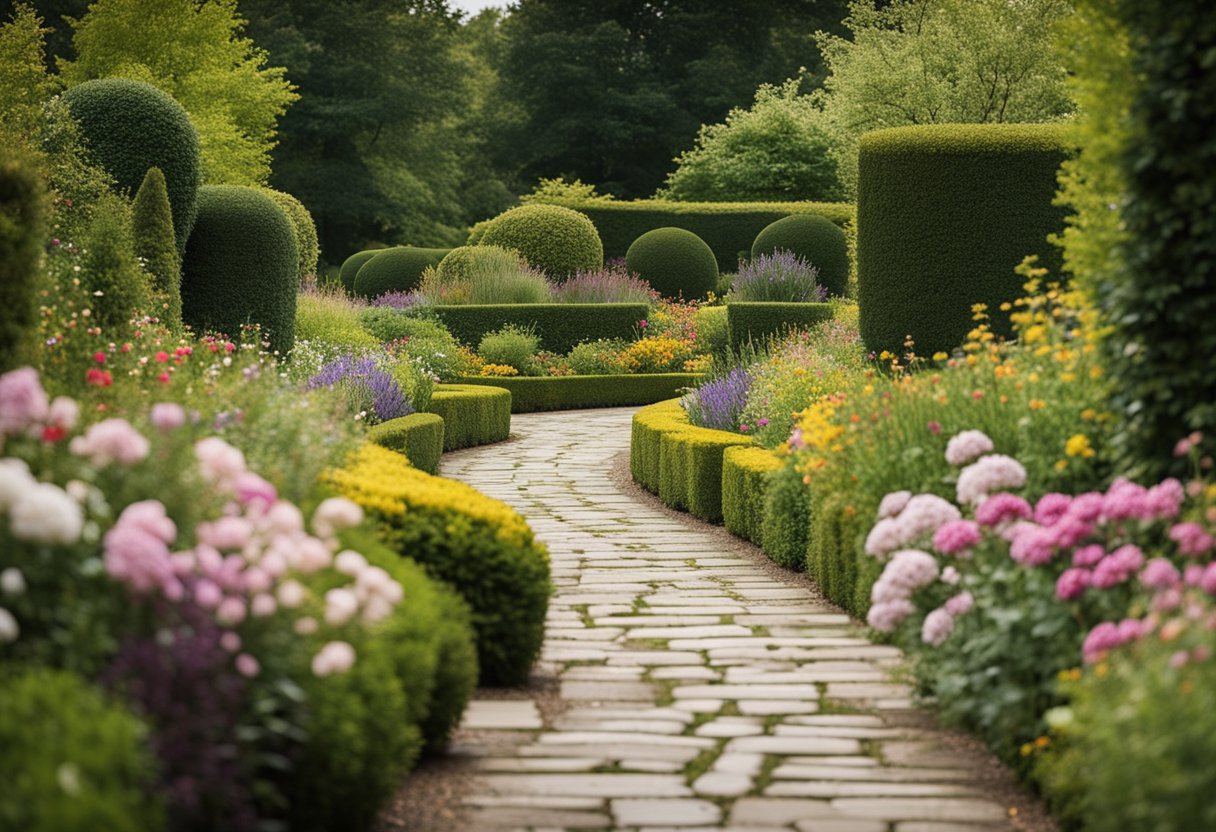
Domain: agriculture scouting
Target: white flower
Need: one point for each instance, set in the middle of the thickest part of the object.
(350, 563)
(12, 582)
(8, 626)
(292, 594)
(334, 515)
(15, 480)
(46, 514)
(335, 657)
(340, 606)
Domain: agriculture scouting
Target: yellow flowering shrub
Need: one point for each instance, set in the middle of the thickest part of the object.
(656, 354)
(498, 370)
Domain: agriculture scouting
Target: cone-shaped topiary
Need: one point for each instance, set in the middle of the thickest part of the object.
(308, 245)
(560, 241)
(129, 126)
(23, 218)
(675, 262)
(396, 270)
(241, 266)
(351, 265)
(109, 267)
(152, 223)
(817, 240)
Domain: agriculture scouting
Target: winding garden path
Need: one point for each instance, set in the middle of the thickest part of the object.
(688, 684)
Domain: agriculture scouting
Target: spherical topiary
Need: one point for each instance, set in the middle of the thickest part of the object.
(560, 241)
(817, 240)
(461, 263)
(307, 245)
(395, 270)
(129, 126)
(241, 266)
(351, 265)
(675, 262)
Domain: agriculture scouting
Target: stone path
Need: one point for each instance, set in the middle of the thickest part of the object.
(689, 686)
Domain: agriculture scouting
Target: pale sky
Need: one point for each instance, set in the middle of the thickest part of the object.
(472, 7)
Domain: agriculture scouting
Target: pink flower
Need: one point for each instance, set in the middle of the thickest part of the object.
(291, 594)
(247, 665)
(1192, 539)
(284, 518)
(1165, 499)
(350, 563)
(230, 641)
(63, 413)
(951, 576)
(334, 515)
(938, 626)
(1125, 500)
(1118, 567)
(1088, 555)
(218, 462)
(225, 533)
(911, 569)
(1002, 508)
(23, 402)
(312, 555)
(1180, 657)
(1160, 574)
(1072, 583)
(957, 537)
(110, 441)
(207, 594)
(960, 604)
(1050, 508)
(150, 516)
(306, 626)
(231, 611)
(990, 474)
(340, 607)
(1032, 545)
(893, 503)
(1207, 582)
(263, 605)
(1193, 574)
(251, 489)
(1086, 507)
(935, 427)
(1069, 531)
(885, 617)
(137, 558)
(167, 417)
(1101, 639)
(966, 446)
(334, 657)
(923, 515)
(883, 539)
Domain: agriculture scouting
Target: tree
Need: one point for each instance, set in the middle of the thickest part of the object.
(778, 150)
(941, 61)
(199, 56)
(24, 84)
(156, 245)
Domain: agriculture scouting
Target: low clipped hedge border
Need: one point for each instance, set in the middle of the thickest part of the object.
(529, 395)
(745, 474)
(728, 227)
(472, 414)
(758, 320)
(561, 326)
(418, 436)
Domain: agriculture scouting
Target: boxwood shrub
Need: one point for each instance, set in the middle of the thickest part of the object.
(557, 240)
(573, 392)
(757, 321)
(561, 326)
(395, 270)
(351, 265)
(675, 262)
(472, 415)
(944, 215)
(308, 247)
(785, 518)
(477, 545)
(746, 471)
(817, 240)
(419, 437)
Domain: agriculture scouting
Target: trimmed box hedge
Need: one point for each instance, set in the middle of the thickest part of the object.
(758, 320)
(472, 415)
(945, 213)
(418, 436)
(728, 227)
(745, 475)
(529, 395)
(561, 326)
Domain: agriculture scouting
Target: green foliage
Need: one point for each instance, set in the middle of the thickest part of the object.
(728, 227)
(77, 183)
(511, 346)
(560, 325)
(130, 126)
(73, 760)
(597, 358)
(713, 330)
(23, 216)
(419, 437)
(676, 262)
(817, 240)
(746, 472)
(24, 83)
(199, 57)
(472, 415)
(240, 266)
(152, 224)
(775, 151)
(306, 233)
(529, 395)
(785, 518)
(548, 191)
(940, 62)
(557, 240)
(109, 268)
(330, 319)
(756, 323)
(945, 214)
(484, 275)
(351, 265)
(461, 262)
(395, 270)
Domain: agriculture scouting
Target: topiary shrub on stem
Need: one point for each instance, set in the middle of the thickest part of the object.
(152, 224)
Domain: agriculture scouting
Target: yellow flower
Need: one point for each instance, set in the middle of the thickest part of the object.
(1037, 404)
(1089, 414)
(940, 356)
(1061, 464)
(1078, 445)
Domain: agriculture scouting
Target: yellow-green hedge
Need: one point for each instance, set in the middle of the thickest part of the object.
(472, 414)
(419, 436)
(745, 474)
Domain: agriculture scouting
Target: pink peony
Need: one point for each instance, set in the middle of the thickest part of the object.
(883, 539)
(167, 417)
(137, 558)
(966, 446)
(312, 555)
(340, 606)
(218, 462)
(1207, 582)
(334, 515)
(1165, 499)
(893, 503)
(911, 569)
(292, 594)
(957, 537)
(1086, 507)
(207, 594)
(231, 611)
(988, 475)
(150, 516)
(1070, 531)
(283, 518)
(225, 533)
(938, 626)
(256, 580)
(1192, 539)
(1159, 573)
(1126, 500)
(247, 665)
(263, 605)
(1032, 545)
(334, 657)
(951, 576)
(251, 489)
(350, 563)
(1088, 555)
(1001, 509)
(1193, 574)
(230, 641)
(23, 402)
(1101, 639)
(110, 441)
(1072, 583)
(960, 604)
(1118, 567)
(923, 515)
(887, 616)
(306, 626)
(1050, 508)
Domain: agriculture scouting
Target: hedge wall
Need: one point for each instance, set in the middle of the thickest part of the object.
(395, 270)
(756, 321)
(529, 395)
(418, 436)
(745, 474)
(944, 215)
(561, 326)
(728, 227)
(472, 415)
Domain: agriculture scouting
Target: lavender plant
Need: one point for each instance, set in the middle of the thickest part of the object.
(719, 403)
(371, 389)
(611, 284)
(781, 276)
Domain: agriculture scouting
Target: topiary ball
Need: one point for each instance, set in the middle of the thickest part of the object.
(241, 266)
(395, 270)
(307, 245)
(675, 262)
(351, 265)
(559, 241)
(129, 126)
(816, 239)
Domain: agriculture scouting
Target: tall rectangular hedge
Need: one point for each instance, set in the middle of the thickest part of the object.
(530, 394)
(757, 321)
(561, 326)
(728, 227)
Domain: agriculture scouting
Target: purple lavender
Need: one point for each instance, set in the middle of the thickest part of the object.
(611, 284)
(719, 403)
(399, 300)
(368, 387)
(781, 276)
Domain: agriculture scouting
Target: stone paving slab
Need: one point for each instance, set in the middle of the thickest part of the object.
(691, 688)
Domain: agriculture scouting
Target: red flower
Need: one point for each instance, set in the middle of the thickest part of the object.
(53, 433)
(163, 378)
(99, 357)
(162, 357)
(99, 378)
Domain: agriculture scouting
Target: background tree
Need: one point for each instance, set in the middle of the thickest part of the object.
(24, 83)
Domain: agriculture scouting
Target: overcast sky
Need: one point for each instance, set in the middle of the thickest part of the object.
(474, 6)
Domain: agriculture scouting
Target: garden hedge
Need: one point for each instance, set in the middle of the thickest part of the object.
(560, 241)
(308, 247)
(475, 544)
(395, 270)
(561, 326)
(241, 266)
(351, 265)
(817, 240)
(728, 227)
(530, 394)
(129, 126)
(418, 436)
(23, 216)
(756, 321)
(472, 415)
(746, 471)
(786, 510)
(944, 215)
(675, 262)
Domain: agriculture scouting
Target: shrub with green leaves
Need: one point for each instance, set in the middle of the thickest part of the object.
(597, 358)
(815, 239)
(130, 126)
(110, 269)
(463, 262)
(713, 330)
(511, 346)
(73, 761)
(241, 266)
(330, 318)
(152, 222)
(349, 269)
(395, 270)
(677, 263)
(559, 241)
(23, 215)
(484, 275)
(307, 245)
